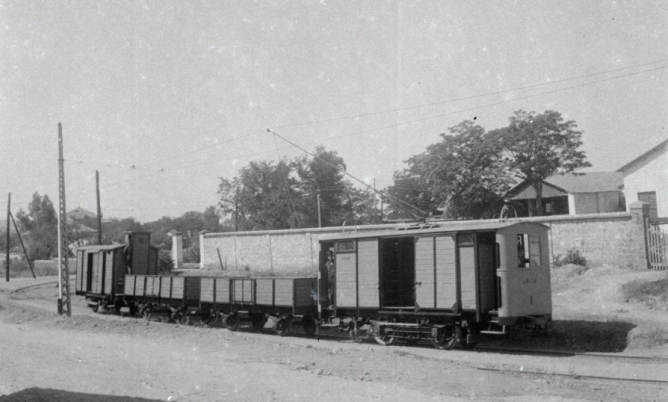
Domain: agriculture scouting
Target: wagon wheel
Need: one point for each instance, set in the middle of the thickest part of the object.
(446, 338)
(232, 322)
(133, 309)
(283, 326)
(384, 338)
(309, 325)
(95, 308)
(258, 320)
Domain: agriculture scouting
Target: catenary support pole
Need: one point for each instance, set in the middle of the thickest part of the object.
(99, 208)
(64, 303)
(9, 203)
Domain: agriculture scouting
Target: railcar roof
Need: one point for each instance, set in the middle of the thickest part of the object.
(101, 247)
(446, 227)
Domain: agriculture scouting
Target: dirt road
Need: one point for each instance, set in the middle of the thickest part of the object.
(109, 355)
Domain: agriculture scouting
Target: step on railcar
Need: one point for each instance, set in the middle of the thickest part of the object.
(451, 284)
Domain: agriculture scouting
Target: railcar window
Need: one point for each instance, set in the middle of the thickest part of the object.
(523, 260)
(534, 251)
(345, 247)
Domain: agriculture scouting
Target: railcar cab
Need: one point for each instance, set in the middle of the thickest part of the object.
(476, 277)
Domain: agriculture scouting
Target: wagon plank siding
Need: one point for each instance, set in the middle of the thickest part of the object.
(467, 267)
(206, 290)
(165, 288)
(304, 292)
(222, 290)
(178, 286)
(368, 285)
(346, 284)
(264, 292)
(284, 292)
(446, 272)
(424, 272)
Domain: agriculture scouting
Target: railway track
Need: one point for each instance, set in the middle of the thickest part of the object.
(575, 376)
(19, 294)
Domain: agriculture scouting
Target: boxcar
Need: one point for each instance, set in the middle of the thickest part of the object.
(449, 283)
(101, 269)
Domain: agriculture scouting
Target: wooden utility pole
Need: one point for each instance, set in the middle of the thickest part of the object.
(64, 302)
(9, 203)
(319, 220)
(99, 209)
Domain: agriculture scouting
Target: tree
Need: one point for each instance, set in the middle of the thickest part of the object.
(460, 175)
(537, 146)
(322, 176)
(262, 197)
(40, 224)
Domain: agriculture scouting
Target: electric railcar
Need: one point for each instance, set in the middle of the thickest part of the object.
(450, 283)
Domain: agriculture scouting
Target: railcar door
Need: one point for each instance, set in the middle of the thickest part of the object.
(397, 272)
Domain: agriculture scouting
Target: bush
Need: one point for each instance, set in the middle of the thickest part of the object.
(572, 256)
(165, 262)
(191, 254)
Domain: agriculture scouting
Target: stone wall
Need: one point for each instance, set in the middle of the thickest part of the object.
(613, 238)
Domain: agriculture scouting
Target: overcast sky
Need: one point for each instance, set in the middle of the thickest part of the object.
(184, 91)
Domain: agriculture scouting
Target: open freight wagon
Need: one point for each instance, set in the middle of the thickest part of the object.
(449, 283)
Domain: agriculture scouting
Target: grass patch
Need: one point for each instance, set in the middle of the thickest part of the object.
(650, 293)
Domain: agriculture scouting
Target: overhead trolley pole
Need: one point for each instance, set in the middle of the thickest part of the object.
(64, 303)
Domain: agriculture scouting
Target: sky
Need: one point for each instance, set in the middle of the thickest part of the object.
(163, 98)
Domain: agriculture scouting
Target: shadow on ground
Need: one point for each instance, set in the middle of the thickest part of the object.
(572, 336)
(55, 395)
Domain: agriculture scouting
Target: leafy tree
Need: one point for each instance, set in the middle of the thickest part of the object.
(40, 224)
(322, 176)
(460, 175)
(262, 197)
(537, 146)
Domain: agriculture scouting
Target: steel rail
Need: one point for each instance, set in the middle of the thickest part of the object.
(574, 376)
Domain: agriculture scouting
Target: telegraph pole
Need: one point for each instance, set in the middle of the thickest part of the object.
(9, 203)
(99, 209)
(64, 303)
(319, 220)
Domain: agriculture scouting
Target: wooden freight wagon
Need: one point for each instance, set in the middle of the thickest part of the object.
(100, 274)
(101, 269)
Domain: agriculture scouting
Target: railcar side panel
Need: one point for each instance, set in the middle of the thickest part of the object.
(264, 291)
(425, 290)
(98, 273)
(223, 290)
(346, 280)
(368, 285)
(304, 292)
(446, 272)
(140, 285)
(129, 285)
(193, 289)
(467, 271)
(166, 288)
(207, 290)
(178, 287)
(108, 261)
(283, 292)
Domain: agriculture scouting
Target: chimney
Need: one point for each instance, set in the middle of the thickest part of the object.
(177, 249)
